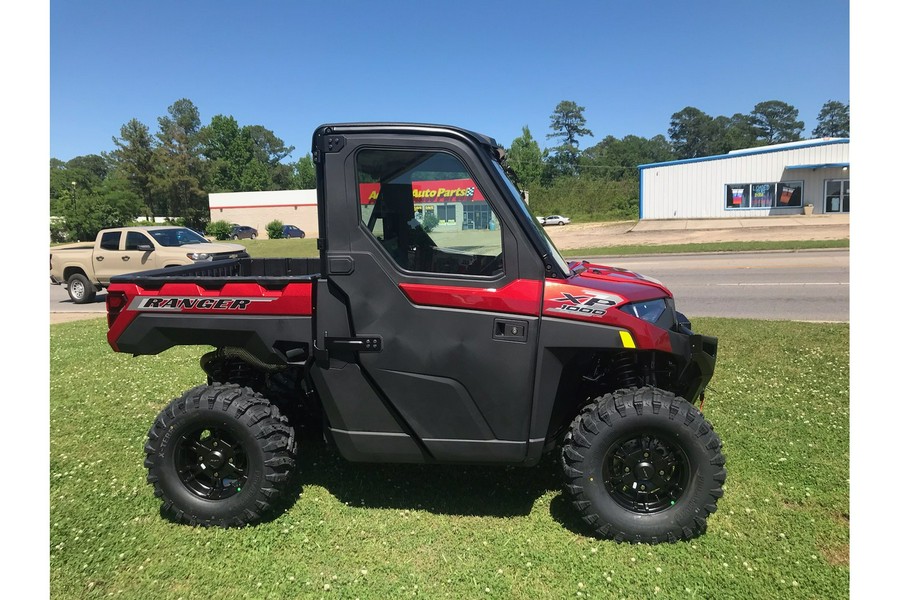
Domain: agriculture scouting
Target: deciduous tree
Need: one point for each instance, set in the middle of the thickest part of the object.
(524, 157)
(692, 132)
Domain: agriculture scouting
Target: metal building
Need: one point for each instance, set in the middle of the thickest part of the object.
(258, 209)
(806, 177)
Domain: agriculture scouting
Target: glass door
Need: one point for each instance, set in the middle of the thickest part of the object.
(837, 196)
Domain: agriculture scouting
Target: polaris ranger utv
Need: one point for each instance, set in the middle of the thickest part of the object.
(438, 325)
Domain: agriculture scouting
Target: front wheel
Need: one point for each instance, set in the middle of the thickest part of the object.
(220, 455)
(643, 465)
(80, 289)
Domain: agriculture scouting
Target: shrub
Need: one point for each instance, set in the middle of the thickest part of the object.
(274, 229)
(58, 230)
(429, 222)
(221, 230)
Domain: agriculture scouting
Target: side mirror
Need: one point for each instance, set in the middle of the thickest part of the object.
(145, 247)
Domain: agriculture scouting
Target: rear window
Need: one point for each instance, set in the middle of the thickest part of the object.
(110, 240)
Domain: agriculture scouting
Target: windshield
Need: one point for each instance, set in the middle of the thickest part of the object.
(177, 236)
(517, 196)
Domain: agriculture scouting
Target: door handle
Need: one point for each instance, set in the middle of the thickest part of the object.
(99, 258)
(510, 331)
(126, 258)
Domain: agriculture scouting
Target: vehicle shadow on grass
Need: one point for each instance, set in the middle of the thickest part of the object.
(459, 490)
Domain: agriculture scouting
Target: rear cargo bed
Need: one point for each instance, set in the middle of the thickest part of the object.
(268, 272)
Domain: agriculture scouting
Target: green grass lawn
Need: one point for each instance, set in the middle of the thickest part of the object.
(779, 400)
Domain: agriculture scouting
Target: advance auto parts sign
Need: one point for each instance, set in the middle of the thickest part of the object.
(431, 192)
(182, 303)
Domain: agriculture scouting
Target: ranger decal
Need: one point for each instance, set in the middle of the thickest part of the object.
(175, 303)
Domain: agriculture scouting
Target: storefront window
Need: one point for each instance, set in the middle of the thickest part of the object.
(784, 194)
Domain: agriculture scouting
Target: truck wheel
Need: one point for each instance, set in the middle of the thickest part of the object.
(220, 455)
(643, 465)
(80, 289)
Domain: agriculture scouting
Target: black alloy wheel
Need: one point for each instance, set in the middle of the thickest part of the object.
(220, 455)
(645, 473)
(643, 465)
(211, 463)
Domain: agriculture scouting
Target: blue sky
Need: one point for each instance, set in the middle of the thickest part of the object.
(488, 66)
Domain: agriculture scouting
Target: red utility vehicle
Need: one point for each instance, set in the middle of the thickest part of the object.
(438, 325)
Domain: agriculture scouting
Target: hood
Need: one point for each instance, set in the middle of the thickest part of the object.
(214, 248)
(628, 285)
(594, 292)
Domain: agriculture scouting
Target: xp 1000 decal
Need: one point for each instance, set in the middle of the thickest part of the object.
(588, 303)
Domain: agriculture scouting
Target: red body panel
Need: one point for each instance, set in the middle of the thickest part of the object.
(246, 298)
(521, 297)
(594, 295)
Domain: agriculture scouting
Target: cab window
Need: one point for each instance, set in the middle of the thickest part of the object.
(134, 239)
(427, 212)
(110, 240)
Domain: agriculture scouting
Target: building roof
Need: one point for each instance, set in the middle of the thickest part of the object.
(752, 151)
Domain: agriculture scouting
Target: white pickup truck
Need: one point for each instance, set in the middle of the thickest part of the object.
(85, 268)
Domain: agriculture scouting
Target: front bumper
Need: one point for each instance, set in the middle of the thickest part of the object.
(697, 361)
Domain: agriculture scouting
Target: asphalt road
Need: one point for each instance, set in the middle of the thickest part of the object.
(811, 285)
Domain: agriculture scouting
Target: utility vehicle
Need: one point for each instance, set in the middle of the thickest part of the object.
(439, 324)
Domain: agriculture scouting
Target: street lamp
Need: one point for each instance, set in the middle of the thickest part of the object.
(74, 194)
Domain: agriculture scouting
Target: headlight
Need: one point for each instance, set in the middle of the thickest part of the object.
(199, 256)
(649, 311)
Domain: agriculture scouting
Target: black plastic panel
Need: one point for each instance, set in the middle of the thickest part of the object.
(260, 335)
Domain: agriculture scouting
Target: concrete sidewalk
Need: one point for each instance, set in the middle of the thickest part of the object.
(739, 223)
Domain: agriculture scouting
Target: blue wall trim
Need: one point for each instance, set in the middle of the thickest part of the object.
(741, 154)
(822, 166)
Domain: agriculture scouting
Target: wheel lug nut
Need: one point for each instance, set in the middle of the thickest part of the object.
(643, 488)
(627, 470)
(646, 454)
(662, 472)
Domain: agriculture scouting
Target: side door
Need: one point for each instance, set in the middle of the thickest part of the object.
(443, 303)
(106, 257)
(131, 256)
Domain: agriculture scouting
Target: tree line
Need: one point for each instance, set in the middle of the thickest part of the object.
(601, 182)
(171, 171)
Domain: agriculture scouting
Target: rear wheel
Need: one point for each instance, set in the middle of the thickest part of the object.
(643, 465)
(220, 455)
(80, 289)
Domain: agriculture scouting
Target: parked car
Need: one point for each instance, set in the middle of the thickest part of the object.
(85, 268)
(243, 232)
(292, 231)
(556, 220)
(541, 220)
